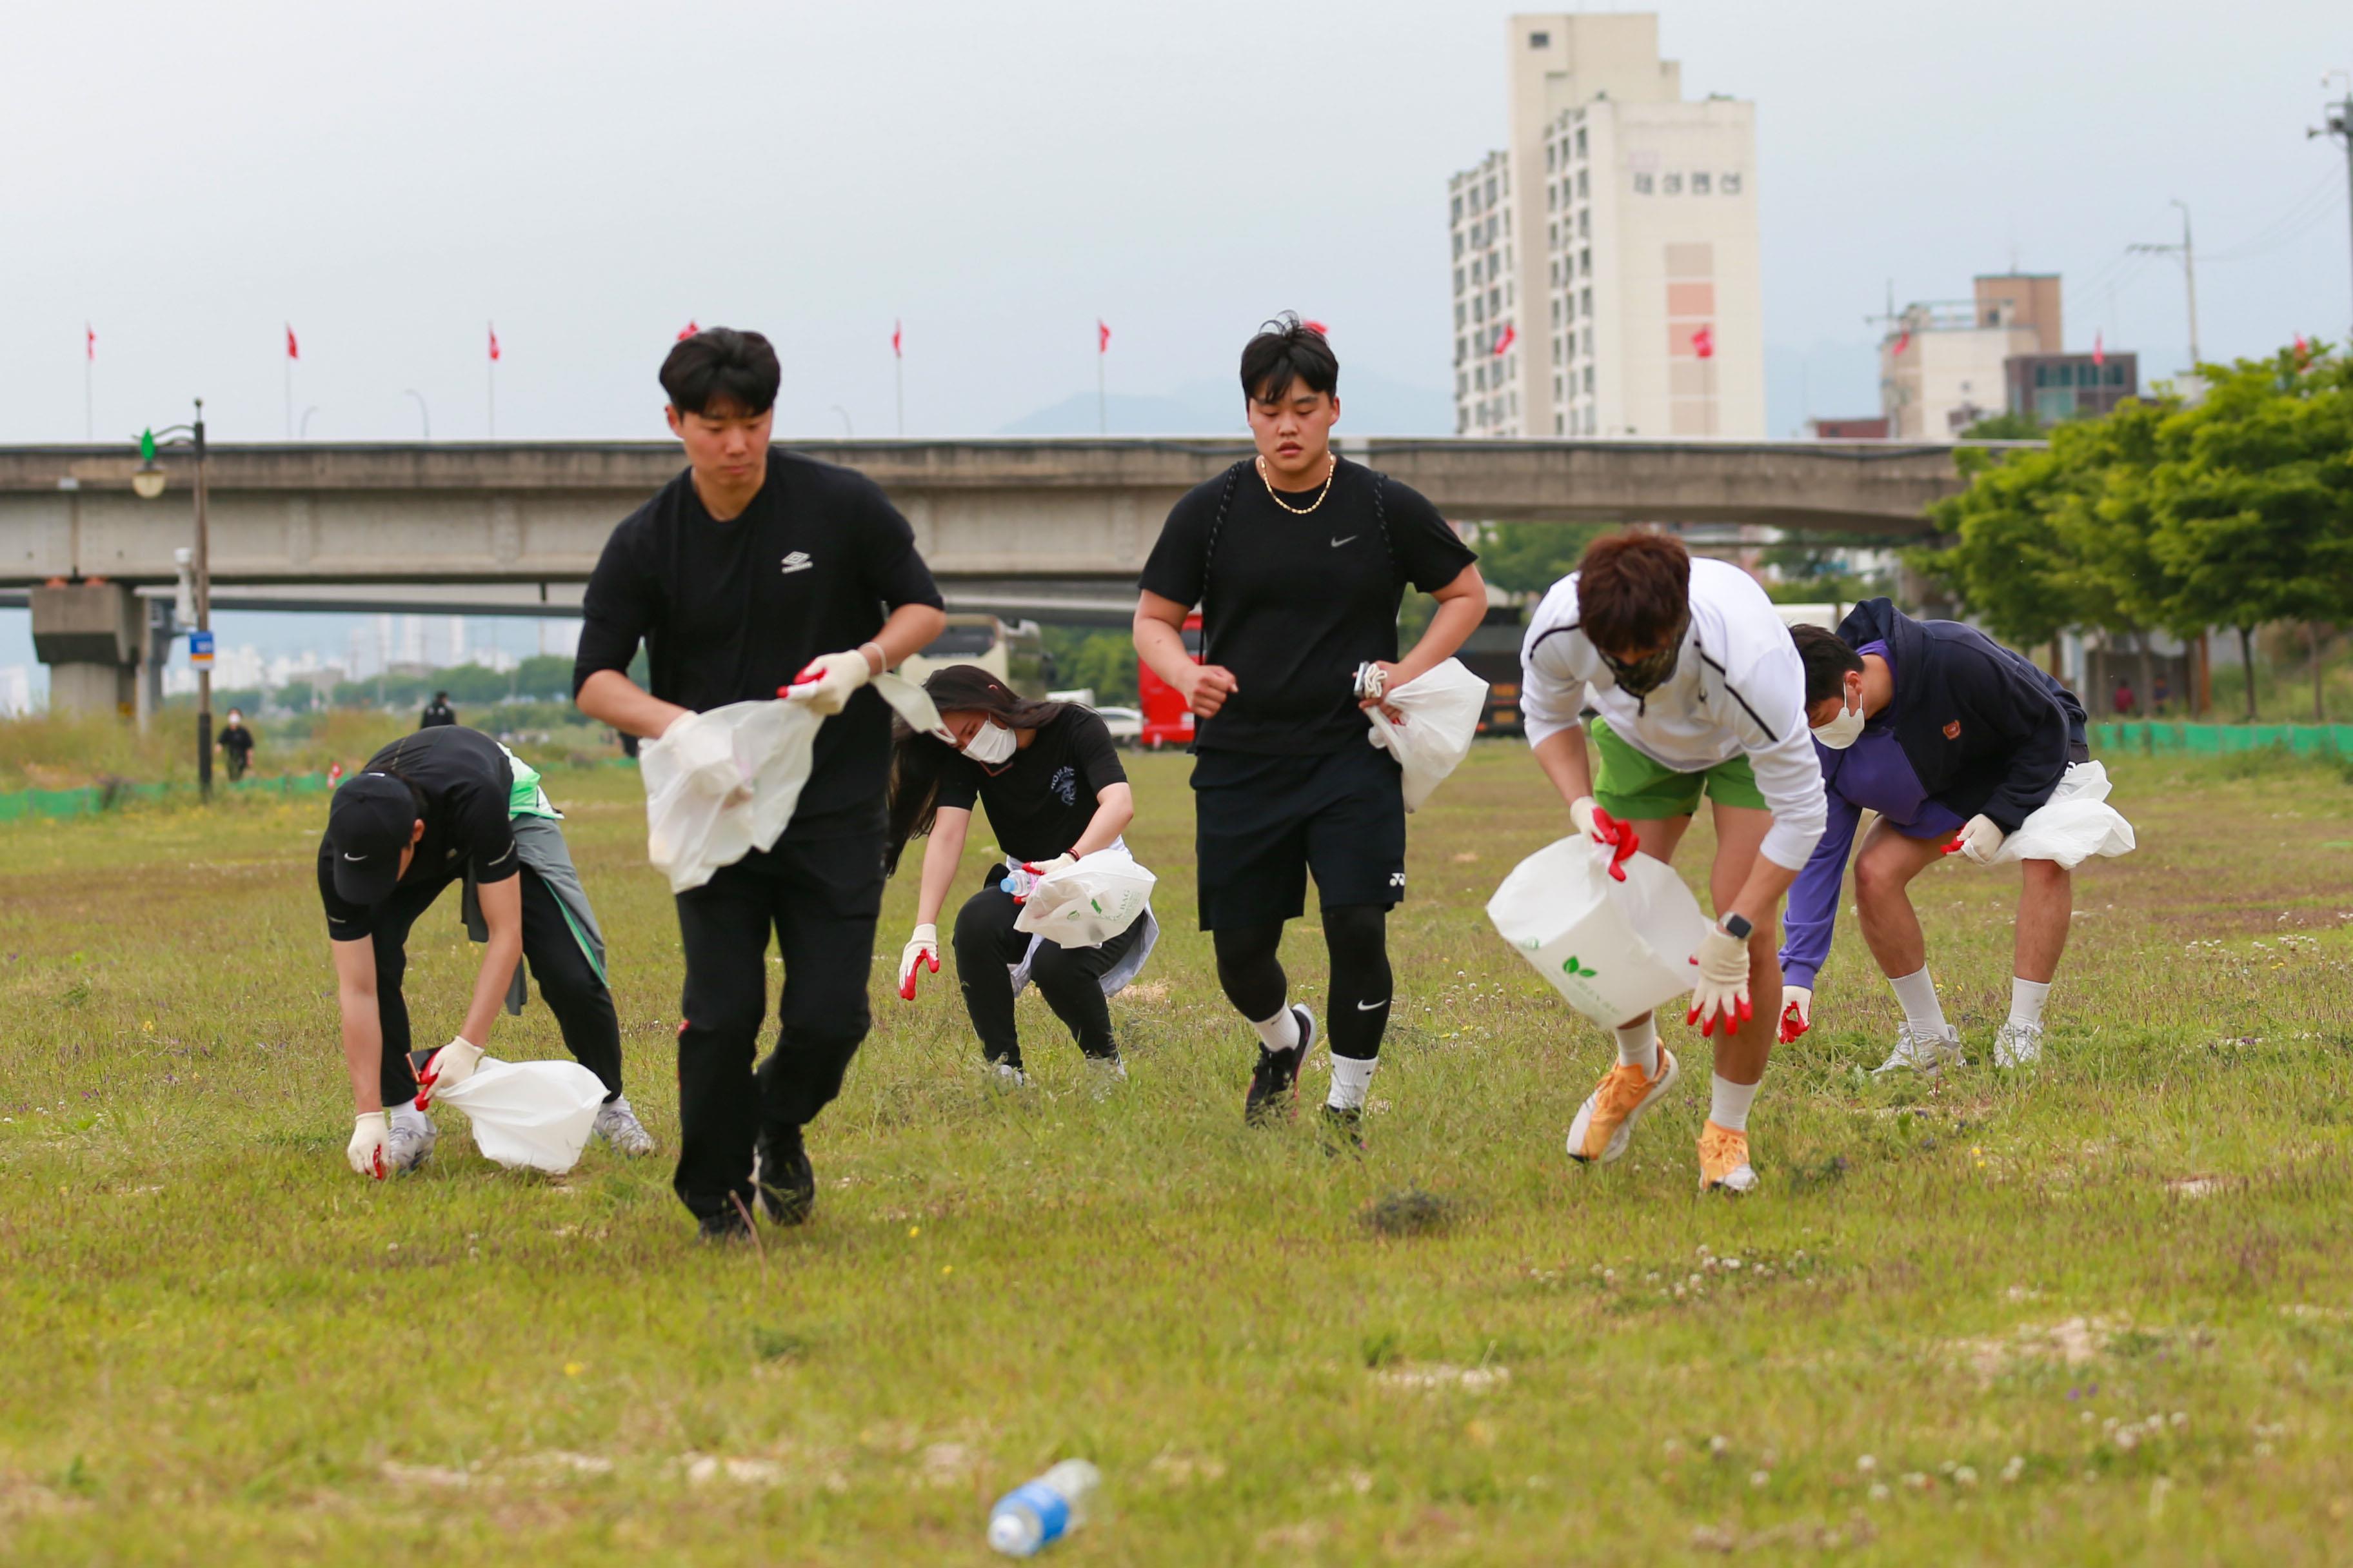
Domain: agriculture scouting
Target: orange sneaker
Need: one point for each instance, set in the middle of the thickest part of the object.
(1605, 1121)
(1724, 1161)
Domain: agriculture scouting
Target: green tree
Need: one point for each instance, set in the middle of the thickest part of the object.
(2006, 427)
(1530, 557)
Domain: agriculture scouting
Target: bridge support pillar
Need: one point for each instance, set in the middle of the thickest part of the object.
(91, 636)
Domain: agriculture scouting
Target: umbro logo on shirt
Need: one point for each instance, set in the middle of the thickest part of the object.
(799, 560)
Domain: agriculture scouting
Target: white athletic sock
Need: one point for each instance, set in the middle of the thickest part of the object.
(1350, 1079)
(1917, 993)
(1638, 1046)
(408, 1115)
(1729, 1103)
(1280, 1033)
(2026, 999)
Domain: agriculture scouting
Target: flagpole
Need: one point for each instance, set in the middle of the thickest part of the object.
(290, 397)
(491, 380)
(899, 374)
(1102, 402)
(89, 359)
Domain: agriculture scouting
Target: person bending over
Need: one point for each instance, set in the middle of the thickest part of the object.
(1298, 561)
(1698, 690)
(1055, 793)
(751, 569)
(441, 806)
(1942, 731)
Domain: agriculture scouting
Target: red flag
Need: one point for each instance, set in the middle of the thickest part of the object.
(2099, 350)
(1102, 337)
(1903, 343)
(687, 330)
(1507, 338)
(494, 340)
(89, 342)
(895, 353)
(1704, 342)
(1318, 327)
(293, 351)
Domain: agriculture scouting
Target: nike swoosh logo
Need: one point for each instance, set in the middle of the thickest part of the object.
(354, 857)
(1337, 543)
(1371, 1006)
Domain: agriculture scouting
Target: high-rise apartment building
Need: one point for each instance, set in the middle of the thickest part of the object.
(1605, 261)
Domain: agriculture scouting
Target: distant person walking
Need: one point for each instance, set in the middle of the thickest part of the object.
(438, 712)
(236, 743)
(2122, 700)
(2162, 696)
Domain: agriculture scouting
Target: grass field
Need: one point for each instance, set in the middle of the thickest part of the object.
(2101, 1314)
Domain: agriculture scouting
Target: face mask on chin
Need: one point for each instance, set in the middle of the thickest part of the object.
(1841, 732)
(992, 745)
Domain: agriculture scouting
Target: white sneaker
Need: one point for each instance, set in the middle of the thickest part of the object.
(617, 1124)
(1004, 1075)
(410, 1144)
(1925, 1051)
(2018, 1044)
(1105, 1075)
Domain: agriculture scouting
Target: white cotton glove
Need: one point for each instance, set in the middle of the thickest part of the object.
(448, 1067)
(923, 949)
(1722, 994)
(369, 1133)
(1580, 813)
(1796, 1011)
(1980, 839)
(826, 685)
(1045, 868)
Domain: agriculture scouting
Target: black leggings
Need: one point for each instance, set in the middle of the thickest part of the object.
(1069, 978)
(1356, 935)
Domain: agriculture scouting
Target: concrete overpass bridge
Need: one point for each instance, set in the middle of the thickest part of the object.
(1055, 527)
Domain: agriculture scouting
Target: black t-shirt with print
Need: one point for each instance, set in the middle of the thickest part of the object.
(468, 795)
(1292, 605)
(729, 611)
(1040, 802)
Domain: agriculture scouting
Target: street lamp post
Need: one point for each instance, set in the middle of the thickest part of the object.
(148, 483)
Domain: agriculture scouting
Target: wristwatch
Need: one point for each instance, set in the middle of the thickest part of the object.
(1737, 926)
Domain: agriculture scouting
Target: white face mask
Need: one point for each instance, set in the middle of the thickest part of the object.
(1841, 732)
(992, 745)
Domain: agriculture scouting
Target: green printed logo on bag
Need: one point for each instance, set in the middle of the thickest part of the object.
(1571, 969)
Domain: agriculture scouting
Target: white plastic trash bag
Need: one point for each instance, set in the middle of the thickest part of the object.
(1442, 710)
(533, 1114)
(1615, 950)
(2075, 823)
(1089, 902)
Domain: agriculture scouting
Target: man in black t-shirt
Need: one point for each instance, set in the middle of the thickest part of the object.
(438, 712)
(1299, 561)
(236, 743)
(443, 806)
(752, 572)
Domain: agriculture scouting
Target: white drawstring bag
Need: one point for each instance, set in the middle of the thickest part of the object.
(536, 1115)
(1089, 901)
(724, 783)
(1615, 950)
(1442, 708)
(2075, 823)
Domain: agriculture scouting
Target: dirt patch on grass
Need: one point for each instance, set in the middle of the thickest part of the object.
(2069, 1343)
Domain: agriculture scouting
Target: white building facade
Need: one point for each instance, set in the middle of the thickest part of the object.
(1605, 264)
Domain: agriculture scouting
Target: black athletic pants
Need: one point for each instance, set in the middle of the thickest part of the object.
(1069, 978)
(567, 982)
(1357, 937)
(821, 898)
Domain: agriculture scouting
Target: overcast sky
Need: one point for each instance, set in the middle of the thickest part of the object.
(591, 175)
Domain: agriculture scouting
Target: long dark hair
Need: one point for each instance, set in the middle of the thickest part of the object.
(918, 759)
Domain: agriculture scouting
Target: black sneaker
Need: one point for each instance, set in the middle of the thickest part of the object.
(1344, 1130)
(724, 1229)
(1274, 1083)
(786, 1184)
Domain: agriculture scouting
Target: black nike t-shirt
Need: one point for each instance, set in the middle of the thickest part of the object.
(468, 792)
(1292, 605)
(729, 611)
(1040, 802)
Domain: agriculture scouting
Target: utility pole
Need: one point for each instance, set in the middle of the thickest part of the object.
(203, 569)
(2339, 125)
(2189, 254)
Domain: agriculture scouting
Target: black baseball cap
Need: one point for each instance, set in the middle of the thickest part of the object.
(368, 825)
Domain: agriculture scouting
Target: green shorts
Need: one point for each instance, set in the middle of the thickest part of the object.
(1632, 787)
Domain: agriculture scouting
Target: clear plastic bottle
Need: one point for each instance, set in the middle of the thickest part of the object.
(1036, 1514)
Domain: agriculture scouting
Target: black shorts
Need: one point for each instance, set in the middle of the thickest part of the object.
(1261, 823)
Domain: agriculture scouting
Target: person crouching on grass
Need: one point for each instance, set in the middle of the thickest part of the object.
(1055, 793)
(1955, 742)
(435, 807)
(1698, 690)
(1300, 562)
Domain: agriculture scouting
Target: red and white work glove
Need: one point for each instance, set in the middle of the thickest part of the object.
(1796, 1011)
(448, 1067)
(1045, 868)
(1979, 840)
(921, 949)
(829, 679)
(1603, 828)
(1722, 994)
(371, 1131)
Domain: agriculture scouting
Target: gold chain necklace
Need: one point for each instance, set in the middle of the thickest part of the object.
(1311, 506)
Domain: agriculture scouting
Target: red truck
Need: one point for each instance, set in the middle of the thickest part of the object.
(1166, 721)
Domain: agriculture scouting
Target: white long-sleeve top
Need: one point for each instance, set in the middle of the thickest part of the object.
(1738, 688)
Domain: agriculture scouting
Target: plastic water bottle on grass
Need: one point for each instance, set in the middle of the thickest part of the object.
(1036, 1514)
